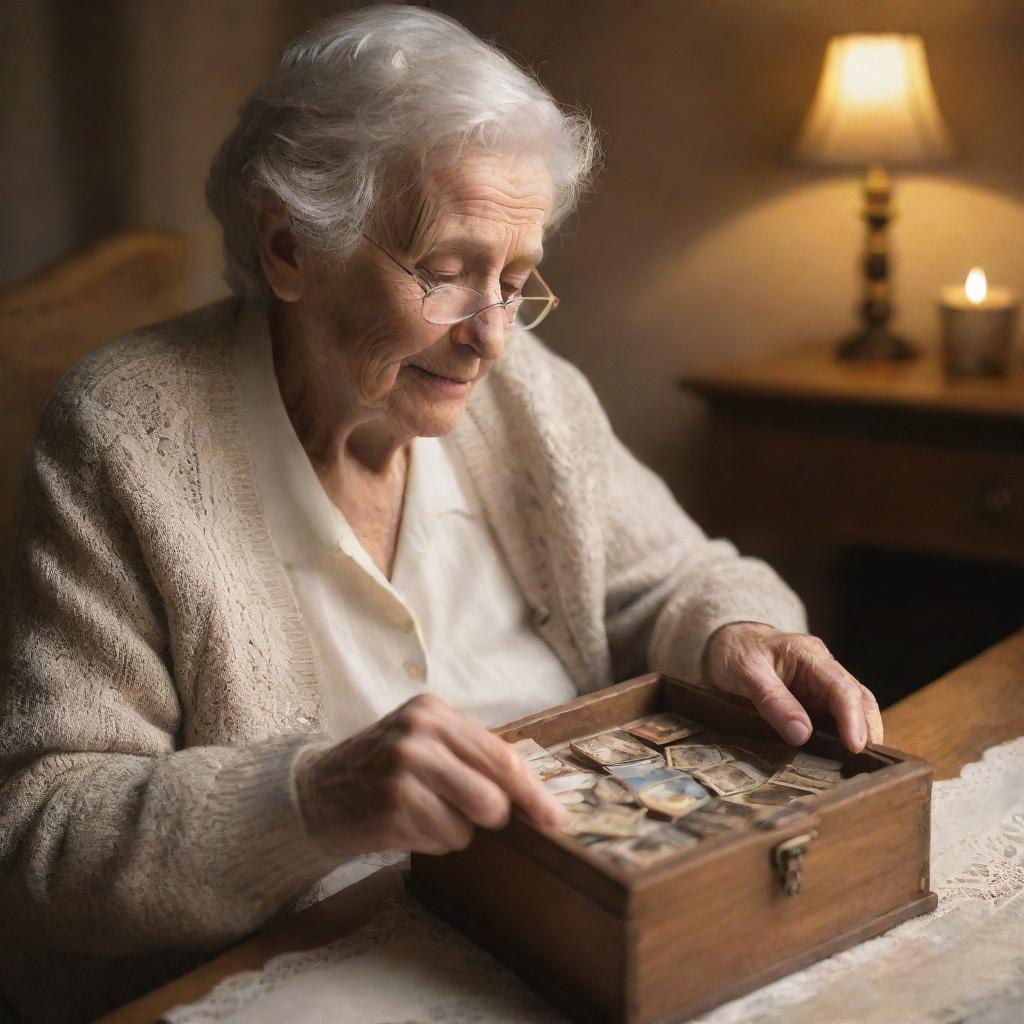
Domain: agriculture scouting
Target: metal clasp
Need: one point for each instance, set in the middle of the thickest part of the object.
(788, 857)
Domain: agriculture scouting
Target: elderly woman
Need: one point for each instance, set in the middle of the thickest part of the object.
(284, 559)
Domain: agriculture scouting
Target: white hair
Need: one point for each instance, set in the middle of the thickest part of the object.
(355, 112)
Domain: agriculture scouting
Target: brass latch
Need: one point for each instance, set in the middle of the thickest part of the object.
(789, 862)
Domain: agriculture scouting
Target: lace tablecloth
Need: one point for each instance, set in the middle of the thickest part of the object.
(962, 964)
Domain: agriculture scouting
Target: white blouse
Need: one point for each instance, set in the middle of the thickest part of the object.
(451, 620)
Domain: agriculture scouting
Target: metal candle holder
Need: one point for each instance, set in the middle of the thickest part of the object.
(977, 336)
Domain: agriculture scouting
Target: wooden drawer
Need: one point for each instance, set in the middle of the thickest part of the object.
(955, 488)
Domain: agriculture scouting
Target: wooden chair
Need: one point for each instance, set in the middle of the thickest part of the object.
(54, 318)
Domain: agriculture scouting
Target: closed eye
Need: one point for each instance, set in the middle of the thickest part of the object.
(434, 278)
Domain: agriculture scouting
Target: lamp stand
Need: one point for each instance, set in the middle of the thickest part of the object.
(875, 341)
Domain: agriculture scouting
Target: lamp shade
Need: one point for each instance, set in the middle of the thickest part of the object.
(874, 102)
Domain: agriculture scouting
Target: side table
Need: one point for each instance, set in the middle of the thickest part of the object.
(809, 458)
(888, 455)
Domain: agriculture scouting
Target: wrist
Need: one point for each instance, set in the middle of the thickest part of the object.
(319, 825)
(720, 634)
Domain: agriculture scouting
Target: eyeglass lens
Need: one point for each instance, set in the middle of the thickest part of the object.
(450, 304)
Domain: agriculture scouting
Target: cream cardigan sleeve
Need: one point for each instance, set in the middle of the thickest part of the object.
(634, 583)
(112, 840)
(668, 586)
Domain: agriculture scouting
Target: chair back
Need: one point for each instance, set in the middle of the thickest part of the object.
(54, 318)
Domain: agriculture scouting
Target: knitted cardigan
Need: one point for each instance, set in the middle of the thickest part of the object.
(157, 680)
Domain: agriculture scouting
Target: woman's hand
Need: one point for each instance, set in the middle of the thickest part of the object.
(784, 673)
(419, 779)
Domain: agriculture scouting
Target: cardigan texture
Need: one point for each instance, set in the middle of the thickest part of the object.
(157, 681)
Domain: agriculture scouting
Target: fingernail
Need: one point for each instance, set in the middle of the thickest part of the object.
(796, 733)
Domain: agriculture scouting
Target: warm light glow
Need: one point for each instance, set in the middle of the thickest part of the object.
(976, 285)
(873, 72)
(874, 103)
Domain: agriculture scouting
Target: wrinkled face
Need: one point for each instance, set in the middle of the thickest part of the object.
(479, 223)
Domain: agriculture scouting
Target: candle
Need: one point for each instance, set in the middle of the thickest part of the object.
(978, 323)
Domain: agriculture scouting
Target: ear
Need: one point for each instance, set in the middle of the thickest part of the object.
(280, 255)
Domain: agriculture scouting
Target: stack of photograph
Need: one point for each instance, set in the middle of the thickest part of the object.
(643, 791)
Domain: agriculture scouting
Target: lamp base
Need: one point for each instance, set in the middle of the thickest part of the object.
(878, 345)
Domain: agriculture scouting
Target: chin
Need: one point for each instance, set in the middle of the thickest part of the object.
(435, 426)
(425, 413)
(439, 420)
(433, 422)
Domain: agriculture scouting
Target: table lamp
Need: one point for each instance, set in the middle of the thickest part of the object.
(875, 105)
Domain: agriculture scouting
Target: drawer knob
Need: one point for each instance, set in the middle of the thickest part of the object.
(998, 499)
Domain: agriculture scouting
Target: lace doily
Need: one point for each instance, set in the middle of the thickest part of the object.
(962, 963)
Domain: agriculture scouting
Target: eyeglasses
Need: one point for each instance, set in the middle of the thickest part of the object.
(446, 304)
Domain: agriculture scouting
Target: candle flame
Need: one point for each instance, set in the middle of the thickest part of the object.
(976, 285)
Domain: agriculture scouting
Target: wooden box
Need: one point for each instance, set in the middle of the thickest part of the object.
(712, 922)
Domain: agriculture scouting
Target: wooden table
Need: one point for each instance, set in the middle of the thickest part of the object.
(949, 722)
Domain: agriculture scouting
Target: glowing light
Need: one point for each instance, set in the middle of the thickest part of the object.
(976, 285)
(875, 72)
(874, 102)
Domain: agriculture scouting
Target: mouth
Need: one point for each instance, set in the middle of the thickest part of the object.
(442, 380)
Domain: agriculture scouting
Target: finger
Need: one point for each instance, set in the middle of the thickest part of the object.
(828, 679)
(432, 825)
(876, 731)
(496, 759)
(776, 705)
(485, 752)
(469, 792)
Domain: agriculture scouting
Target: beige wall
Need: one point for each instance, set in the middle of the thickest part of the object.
(702, 242)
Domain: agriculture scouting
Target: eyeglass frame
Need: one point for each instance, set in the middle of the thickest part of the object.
(504, 303)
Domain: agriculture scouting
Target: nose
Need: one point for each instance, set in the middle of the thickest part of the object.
(485, 333)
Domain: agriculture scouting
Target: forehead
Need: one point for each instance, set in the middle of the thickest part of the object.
(488, 198)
